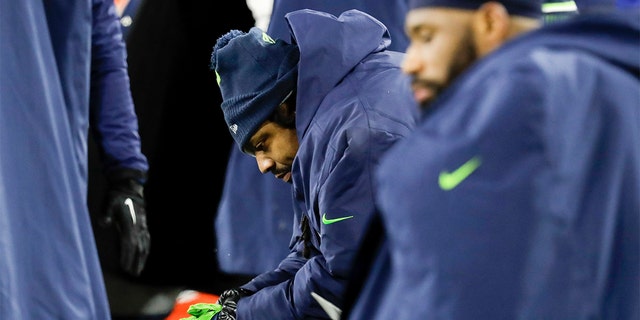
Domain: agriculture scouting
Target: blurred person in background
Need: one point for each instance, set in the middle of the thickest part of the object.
(168, 42)
(261, 12)
(128, 299)
(63, 73)
(518, 196)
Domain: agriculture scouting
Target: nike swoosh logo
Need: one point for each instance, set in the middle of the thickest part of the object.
(132, 211)
(330, 221)
(449, 180)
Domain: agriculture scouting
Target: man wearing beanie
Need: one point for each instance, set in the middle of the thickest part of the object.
(272, 207)
(317, 112)
(518, 194)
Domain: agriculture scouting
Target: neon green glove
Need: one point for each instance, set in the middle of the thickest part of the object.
(203, 311)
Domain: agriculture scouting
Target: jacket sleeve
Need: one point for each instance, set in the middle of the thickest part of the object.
(344, 198)
(286, 269)
(113, 120)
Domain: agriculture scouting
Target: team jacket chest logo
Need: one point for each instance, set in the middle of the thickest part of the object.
(449, 180)
(331, 221)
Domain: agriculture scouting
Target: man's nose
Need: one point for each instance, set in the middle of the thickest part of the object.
(264, 163)
(412, 62)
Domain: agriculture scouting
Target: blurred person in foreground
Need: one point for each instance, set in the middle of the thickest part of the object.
(270, 210)
(63, 72)
(317, 113)
(518, 195)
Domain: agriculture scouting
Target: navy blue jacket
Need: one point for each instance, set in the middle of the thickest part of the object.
(57, 58)
(390, 13)
(518, 195)
(353, 103)
(270, 211)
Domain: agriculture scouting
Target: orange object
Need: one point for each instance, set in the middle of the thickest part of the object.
(185, 299)
(120, 6)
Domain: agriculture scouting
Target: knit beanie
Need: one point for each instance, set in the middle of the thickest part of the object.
(255, 74)
(527, 8)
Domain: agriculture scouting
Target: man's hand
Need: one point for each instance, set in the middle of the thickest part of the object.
(229, 302)
(125, 207)
(224, 309)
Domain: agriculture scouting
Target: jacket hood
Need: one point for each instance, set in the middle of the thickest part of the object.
(592, 34)
(330, 47)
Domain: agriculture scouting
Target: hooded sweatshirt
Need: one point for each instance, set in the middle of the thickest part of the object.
(271, 211)
(518, 196)
(353, 103)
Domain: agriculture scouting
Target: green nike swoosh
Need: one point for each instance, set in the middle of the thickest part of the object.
(330, 221)
(450, 180)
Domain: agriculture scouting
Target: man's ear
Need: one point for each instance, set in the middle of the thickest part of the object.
(491, 24)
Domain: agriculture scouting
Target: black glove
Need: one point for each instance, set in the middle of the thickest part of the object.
(229, 302)
(125, 206)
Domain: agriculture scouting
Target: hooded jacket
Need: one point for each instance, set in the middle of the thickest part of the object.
(353, 103)
(271, 211)
(519, 193)
(59, 58)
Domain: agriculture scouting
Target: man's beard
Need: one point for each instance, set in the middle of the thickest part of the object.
(465, 55)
